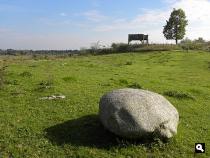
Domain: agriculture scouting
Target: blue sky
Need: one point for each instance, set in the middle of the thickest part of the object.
(68, 24)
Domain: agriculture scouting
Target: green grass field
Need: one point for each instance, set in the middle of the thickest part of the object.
(31, 127)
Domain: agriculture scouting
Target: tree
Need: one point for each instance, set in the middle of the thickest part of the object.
(95, 46)
(175, 26)
(200, 40)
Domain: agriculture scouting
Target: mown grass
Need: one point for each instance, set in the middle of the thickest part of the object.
(70, 127)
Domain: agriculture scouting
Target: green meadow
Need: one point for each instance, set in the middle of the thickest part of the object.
(34, 127)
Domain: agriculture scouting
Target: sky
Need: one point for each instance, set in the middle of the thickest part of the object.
(76, 24)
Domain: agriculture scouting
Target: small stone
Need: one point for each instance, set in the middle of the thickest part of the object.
(53, 97)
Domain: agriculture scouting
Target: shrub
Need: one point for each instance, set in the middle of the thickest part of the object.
(12, 82)
(157, 47)
(26, 74)
(129, 63)
(178, 95)
(135, 85)
(104, 51)
(69, 79)
(123, 81)
(120, 47)
(34, 56)
(198, 44)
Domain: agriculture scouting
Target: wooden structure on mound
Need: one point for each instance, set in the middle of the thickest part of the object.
(138, 37)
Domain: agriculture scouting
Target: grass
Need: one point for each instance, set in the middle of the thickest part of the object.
(135, 85)
(70, 127)
(26, 74)
(69, 79)
(1, 78)
(178, 95)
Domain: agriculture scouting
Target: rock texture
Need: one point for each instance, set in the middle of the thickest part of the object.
(133, 113)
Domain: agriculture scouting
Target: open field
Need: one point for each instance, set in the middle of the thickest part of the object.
(31, 127)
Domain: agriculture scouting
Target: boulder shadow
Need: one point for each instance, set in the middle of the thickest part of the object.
(89, 132)
(84, 131)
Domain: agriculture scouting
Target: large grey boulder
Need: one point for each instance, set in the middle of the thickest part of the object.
(133, 113)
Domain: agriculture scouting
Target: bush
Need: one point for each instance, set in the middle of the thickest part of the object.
(135, 86)
(26, 74)
(129, 63)
(120, 47)
(11, 82)
(104, 51)
(198, 44)
(178, 95)
(157, 47)
(69, 79)
(123, 82)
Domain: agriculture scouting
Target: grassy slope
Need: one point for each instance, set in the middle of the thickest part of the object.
(31, 127)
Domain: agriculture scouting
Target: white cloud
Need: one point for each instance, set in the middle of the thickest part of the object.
(198, 15)
(169, 1)
(96, 3)
(95, 16)
(152, 21)
(63, 14)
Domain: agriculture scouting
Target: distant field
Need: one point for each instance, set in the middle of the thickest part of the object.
(31, 127)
